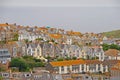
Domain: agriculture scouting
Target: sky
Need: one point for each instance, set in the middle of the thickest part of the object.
(78, 15)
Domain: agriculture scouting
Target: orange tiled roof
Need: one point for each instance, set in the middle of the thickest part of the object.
(12, 43)
(42, 28)
(75, 62)
(73, 33)
(67, 63)
(1, 29)
(3, 25)
(114, 68)
(112, 52)
(55, 36)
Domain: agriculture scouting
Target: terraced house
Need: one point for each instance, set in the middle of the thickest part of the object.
(4, 55)
(77, 66)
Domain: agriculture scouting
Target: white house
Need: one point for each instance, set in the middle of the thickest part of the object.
(31, 49)
(78, 66)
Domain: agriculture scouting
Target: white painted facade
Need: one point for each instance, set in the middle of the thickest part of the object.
(82, 68)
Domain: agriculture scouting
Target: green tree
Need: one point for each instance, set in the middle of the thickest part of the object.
(105, 47)
(88, 57)
(52, 40)
(114, 46)
(20, 63)
(74, 58)
(39, 39)
(67, 58)
(60, 59)
(26, 63)
(26, 40)
(15, 37)
(1, 78)
(2, 68)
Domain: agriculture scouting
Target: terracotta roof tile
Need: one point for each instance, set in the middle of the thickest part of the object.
(73, 33)
(55, 36)
(3, 25)
(112, 52)
(115, 69)
(67, 63)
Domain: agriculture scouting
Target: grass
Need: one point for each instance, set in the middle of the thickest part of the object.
(114, 34)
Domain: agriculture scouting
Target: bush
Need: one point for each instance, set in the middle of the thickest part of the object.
(26, 63)
(60, 59)
(74, 58)
(20, 63)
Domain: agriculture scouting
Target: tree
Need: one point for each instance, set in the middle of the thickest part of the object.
(20, 63)
(74, 58)
(60, 59)
(67, 58)
(39, 39)
(105, 47)
(2, 68)
(112, 46)
(26, 40)
(1, 78)
(15, 37)
(52, 40)
(88, 57)
(26, 63)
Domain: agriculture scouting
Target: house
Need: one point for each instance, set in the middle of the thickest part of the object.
(31, 49)
(4, 56)
(22, 47)
(112, 54)
(55, 37)
(77, 66)
(35, 50)
(67, 50)
(97, 51)
(48, 50)
(5, 75)
(15, 76)
(16, 48)
(115, 70)
(69, 40)
(13, 48)
(4, 65)
(38, 51)
(94, 52)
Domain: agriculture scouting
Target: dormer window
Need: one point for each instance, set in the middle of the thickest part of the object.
(38, 51)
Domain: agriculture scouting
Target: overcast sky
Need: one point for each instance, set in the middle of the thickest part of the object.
(78, 15)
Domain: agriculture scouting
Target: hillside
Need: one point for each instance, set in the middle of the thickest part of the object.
(114, 34)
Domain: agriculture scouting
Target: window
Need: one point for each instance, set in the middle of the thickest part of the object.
(62, 68)
(104, 68)
(82, 66)
(33, 49)
(75, 67)
(68, 68)
(98, 67)
(92, 66)
(5, 74)
(0, 52)
(38, 51)
(56, 68)
(29, 51)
